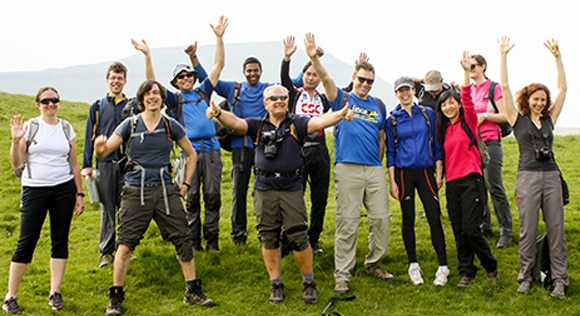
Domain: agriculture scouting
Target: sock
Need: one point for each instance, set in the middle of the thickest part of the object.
(189, 284)
(308, 277)
(276, 280)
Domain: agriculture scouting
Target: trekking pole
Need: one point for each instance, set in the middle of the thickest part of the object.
(332, 299)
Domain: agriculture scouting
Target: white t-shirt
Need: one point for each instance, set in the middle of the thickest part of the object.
(48, 156)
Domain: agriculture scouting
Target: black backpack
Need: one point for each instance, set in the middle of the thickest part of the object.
(225, 134)
(506, 128)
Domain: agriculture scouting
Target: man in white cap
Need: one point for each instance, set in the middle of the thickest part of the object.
(430, 87)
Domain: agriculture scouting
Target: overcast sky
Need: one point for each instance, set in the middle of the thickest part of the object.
(401, 38)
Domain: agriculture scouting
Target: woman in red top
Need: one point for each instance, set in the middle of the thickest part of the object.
(465, 188)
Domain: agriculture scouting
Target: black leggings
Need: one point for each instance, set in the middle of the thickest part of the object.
(36, 202)
(424, 181)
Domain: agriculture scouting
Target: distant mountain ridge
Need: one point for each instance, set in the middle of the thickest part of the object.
(86, 83)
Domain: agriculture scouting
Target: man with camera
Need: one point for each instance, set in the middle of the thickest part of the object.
(278, 189)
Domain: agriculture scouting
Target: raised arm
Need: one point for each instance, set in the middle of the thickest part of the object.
(144, 48)
(226, 118)
(219, 59)
(18, 145)
(556, 109)
(329, 118)
(191, 51)
(104, 146)
(329, 85)
(511, 111)
(289, 50)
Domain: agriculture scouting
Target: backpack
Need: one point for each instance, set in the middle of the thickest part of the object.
(479, 143)
(393, 120)
(225, 134)
(33, 126)
(506, 128)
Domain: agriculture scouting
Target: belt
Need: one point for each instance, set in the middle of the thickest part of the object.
(266, 174)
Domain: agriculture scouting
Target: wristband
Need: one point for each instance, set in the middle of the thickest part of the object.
(81, 194)
(187, 185)
(219, 114)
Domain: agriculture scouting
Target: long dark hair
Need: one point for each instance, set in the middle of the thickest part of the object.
(442, 120)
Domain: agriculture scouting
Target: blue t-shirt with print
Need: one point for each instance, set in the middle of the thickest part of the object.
(358, 141)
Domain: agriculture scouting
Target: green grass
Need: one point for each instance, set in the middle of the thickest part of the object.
(237, 279)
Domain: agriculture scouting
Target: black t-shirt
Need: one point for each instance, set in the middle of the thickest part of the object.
(530, 140)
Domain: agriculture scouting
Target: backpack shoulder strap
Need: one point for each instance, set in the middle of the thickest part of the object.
(428, 121)
(491, 95)
(100, 104)
(469, 133)
(393, 121)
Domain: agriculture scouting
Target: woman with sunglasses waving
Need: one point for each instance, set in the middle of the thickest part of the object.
(43, 152)
(538, 179)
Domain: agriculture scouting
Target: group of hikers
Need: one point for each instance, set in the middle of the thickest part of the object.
(438, 133)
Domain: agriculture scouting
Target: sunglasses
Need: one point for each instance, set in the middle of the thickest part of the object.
(46, 101)
(277, 97)
(363, 79)
(188, 75)
(474, 65)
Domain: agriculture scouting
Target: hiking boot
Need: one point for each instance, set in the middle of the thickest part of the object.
(559, 290)
(106, 259)
(341, 287)
(524, 287)
(493, 276)
(465, 281)
(212, 246)
(55, 300)
(116, 298)
(315, 247)
(10, 306)
(375, 270)
(277, 293)
(415, 273)
(504, 241)
(310, 295)
(441, 276)
(194, 295)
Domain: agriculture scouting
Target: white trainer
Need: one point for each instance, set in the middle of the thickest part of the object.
(415, 273)
(441, 276)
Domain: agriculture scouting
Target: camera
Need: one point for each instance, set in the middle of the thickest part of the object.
(543, 153)
(270, 144)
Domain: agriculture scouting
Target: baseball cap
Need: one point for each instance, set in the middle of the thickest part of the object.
(404, 82)
(180, 68)
(432, 80)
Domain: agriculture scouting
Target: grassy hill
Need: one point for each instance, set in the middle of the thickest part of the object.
(237, 279)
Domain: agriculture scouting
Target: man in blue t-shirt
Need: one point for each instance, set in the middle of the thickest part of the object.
(360, 178)
(279, 191)
(188, 106)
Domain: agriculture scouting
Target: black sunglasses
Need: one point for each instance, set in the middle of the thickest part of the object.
(188, 75)
(277, 97)
(48, 100)
(363, 79)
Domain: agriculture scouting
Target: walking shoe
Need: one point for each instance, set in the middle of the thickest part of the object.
(106, 259)
(559, 290)
(504, 241)
(55, 300)
(213, 246)
(116, 298)
(493, 276)
(465, 281)
(194, 295)
(375, 270)
(524, 287)
(341, 287)
(441, 276)
(310, 295)
(277, 293)
(10, 306)
(415, 273)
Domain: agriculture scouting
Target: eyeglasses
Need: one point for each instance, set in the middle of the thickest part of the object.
(363, 79)
(188, 75)
(474, 65)
(277, 97)
(46, 101)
